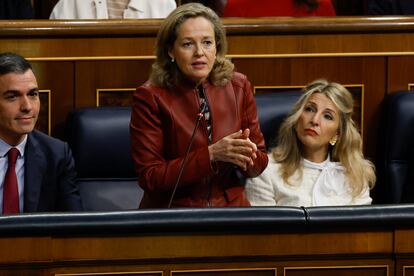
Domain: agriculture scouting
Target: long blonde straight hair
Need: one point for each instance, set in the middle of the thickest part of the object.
(348, 148)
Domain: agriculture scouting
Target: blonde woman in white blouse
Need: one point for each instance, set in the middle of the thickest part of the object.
(319, 159)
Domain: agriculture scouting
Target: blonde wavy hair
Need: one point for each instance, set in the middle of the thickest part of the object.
(166, 73)
(348, 148)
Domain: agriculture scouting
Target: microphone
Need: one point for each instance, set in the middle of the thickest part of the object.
(200, 115)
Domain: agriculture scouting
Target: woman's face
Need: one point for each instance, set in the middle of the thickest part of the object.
(194, 50)
(317, 124)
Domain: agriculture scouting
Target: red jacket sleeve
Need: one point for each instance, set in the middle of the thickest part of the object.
(251, 121)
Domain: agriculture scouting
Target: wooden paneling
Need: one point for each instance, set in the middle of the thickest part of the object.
(58, 79)
(61, 48)
(338, 271)
(400, 73)
(406, 270)
(404, 248)
(114, 97)
(102, 248)
(222, 254)
(44, 120)
(404, 241)
(112, 273)
(25, 249)
(227, 272)
(114, 74)
(24, 272)
(325, 44)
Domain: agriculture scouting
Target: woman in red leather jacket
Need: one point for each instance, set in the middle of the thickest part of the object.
(192, 80)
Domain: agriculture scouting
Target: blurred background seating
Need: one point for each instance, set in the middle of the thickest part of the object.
(395, 158)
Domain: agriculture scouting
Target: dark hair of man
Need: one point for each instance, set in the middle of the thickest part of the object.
(310, 4)
(13, 63)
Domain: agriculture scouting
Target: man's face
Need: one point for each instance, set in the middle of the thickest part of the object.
(19, 105)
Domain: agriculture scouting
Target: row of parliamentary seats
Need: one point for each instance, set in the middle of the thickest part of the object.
(101, 147)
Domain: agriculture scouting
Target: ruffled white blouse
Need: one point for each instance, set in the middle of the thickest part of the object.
(322, 184)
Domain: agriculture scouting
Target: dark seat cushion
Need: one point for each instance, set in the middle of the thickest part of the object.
(100, 142)
(101, 147)
(110, 194)
(272, 109)
(395, 149)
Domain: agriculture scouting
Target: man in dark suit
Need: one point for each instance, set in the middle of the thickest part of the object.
(44, 169)
(391, 7)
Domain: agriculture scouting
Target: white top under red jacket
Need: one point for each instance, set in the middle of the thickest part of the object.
(97, 9)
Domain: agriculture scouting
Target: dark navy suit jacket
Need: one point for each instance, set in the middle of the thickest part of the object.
(49, 181)
(391, 7)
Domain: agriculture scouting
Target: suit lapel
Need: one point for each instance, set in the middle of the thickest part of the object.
(33, 176)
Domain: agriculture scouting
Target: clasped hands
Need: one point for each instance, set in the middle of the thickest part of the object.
(235, 148)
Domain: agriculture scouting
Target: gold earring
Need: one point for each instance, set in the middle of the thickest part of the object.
(333, 140)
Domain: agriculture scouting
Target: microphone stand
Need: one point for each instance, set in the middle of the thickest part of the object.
(200, 115)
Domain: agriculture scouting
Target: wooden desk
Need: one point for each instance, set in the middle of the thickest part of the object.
(224, 242)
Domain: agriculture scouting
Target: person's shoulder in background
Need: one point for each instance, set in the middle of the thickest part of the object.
(92, 9)
(73, 9)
